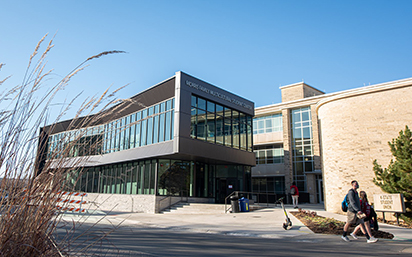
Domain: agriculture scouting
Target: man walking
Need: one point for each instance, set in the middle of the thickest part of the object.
(354, 210)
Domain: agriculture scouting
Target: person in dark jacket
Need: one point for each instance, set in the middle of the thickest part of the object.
(354, 212)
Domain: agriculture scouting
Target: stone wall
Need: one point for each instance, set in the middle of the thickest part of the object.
(121, 202)
(355, 130)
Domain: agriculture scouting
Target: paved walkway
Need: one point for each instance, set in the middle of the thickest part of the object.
(260, 223)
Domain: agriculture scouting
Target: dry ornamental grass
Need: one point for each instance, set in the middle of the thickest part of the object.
(28, 190)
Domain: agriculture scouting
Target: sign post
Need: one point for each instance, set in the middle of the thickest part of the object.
(389, 203)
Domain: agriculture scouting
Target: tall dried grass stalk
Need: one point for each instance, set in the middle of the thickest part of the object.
(28, 213)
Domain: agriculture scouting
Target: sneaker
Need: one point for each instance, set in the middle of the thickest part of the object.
(372, 240)
(354, 236)
(345, 238)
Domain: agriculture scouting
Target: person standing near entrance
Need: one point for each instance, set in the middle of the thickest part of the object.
(295, 194)
(354, 213)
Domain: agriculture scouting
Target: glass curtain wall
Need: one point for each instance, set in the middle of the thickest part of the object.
(148, 126)
(218, 124)
(174, 177)
(302, 146)
(267, 124)
(269, 154)
(273, 185)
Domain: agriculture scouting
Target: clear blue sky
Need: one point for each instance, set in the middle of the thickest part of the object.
(249, 48)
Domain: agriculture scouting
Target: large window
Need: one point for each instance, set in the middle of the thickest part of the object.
(85, 141)
(217, 124)
(302, 145)
(269, 154)
(174, 177)
(272, 185)
(151, 125)
(268, 124)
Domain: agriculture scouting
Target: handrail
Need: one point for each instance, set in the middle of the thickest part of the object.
(170, 200)
(248, 196)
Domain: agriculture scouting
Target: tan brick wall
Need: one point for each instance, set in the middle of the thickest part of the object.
(315, 136)
(292, 93)
(298, 91)
(287, 146)
(355, 131)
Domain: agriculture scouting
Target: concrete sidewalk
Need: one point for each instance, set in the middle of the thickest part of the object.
(260, 223)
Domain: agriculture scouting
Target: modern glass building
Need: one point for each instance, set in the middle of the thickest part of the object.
(181, 137)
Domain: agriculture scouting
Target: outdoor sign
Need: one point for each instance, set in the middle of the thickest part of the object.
(389, 203)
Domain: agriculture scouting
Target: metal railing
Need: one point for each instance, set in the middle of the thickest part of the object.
(258, 199)
(183, 198)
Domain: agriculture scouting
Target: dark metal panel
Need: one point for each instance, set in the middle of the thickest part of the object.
(216, 153)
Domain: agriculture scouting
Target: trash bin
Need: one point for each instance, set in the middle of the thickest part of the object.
(244, 204)
(234, 200)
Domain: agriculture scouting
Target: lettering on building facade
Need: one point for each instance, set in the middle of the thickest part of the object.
(218, 94)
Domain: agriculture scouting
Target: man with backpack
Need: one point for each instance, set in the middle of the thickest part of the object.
(354, 214)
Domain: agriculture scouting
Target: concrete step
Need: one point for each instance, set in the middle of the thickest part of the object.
(196, 208)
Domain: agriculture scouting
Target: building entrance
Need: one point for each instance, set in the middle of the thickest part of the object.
(224, 187)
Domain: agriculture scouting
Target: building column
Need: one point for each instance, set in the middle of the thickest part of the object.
(287, 147)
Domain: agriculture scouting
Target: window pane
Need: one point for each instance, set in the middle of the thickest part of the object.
(149, 131)
(168, 126)
(137, 138)
(219, 109)
(193, 122)
(127, 138)
(143, 133)
(144, 114)
(269, 156)
(306, 133)
(210, 106)
(135, 177)
(235, 133)
(228, 132)
(156, 129)
(162, 127)
(219, 130)
(305, 116)
(201, 125)
(172, 115)
(150, 111)
(211, 128)
(201, 103)
(132, 136)
(168, 105)
(162, 107)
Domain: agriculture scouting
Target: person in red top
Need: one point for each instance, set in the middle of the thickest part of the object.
(295, 194)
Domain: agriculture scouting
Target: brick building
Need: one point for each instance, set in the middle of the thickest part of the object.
(323, 141)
